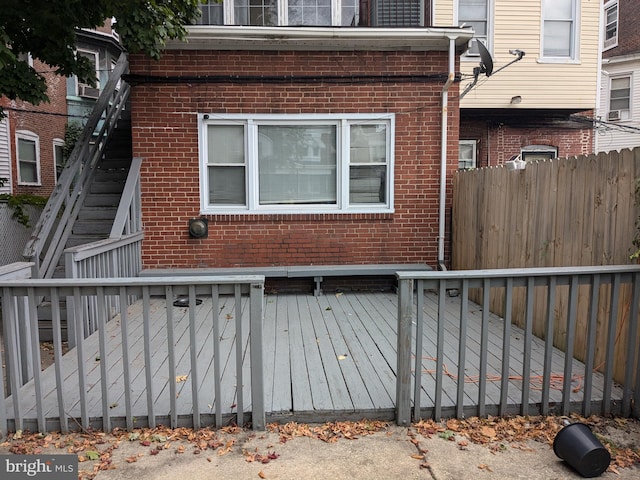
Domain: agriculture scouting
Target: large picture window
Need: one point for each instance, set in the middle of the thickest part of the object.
(296, 164)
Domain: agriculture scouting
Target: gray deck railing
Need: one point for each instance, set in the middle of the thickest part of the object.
(54, 226)
(71, 388)
(610, 297)
(109, 258)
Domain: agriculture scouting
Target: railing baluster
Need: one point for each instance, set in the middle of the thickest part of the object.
(528, 338)
(194, 357)
(56, 326)
(441, 320)
(548, 343)
(632, 339)
(611, 345)
(104, 361)
(506, 347)
(148, 368)
(462, 348)
(484, 349)
(124, 328)
(217, 387)
(571, 338)
(168, 295)
(634, 315)
(9, 321)
(591, 345)
(417, 384)
(258, 419)
(32, 319)
(79, 341)
(239, 357)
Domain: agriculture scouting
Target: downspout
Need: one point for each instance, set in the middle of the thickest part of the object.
(443, 154)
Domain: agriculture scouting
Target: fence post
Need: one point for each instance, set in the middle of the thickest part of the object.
(258, 419)
(403, 374)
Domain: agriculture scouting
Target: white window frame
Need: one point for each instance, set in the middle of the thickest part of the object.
(574, 47)
(97, 63)
(28, 136)
(228, 12)
(487, 39)
(474, 160)
(57, 142)
(251, 123)
(612, 42)
(624, 114)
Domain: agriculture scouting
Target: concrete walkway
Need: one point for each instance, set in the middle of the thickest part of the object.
(391, 453)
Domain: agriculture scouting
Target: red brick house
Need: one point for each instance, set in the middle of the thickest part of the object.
(299, 146)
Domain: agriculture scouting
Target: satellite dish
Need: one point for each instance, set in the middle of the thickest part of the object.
(486, 62)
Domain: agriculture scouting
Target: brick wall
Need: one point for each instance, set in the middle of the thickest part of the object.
(47, 120)
(496, 144)
(165, 135)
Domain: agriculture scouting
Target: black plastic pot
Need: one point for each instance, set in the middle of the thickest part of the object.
(576, 445)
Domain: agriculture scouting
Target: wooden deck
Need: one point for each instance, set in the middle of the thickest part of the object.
(325, 358)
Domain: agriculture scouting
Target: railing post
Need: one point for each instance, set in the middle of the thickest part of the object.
(403, 373)
(258, 418)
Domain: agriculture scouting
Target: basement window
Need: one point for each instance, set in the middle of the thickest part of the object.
(296, 164)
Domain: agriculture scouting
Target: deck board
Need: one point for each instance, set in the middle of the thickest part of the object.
(325, 357)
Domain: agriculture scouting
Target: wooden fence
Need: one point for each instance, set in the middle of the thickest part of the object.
(577, 211)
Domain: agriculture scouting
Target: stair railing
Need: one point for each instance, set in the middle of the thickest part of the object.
(54, 227)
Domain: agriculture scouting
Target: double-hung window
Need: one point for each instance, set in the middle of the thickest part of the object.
(296, 164)
(559, 29)
(610, 24)
(28, 157)
(280, 12)
(475, 14)
(619, 98)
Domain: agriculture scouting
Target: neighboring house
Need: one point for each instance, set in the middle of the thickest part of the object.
(32, 137)
(304, 134)
(541, 106)
(102, 47)
(619, 109)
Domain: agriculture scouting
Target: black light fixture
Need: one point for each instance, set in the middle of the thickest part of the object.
(198, 227)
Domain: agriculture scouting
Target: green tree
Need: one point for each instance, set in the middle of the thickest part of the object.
(46, 30)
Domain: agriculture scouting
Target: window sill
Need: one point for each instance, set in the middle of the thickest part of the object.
(254, 217)
(559, 60)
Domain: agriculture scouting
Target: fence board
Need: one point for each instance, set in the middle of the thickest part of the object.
(565, 212)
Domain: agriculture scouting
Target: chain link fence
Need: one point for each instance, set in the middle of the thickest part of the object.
(13, 235)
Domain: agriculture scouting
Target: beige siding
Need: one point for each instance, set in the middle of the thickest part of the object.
(517, 25)
(443, 13)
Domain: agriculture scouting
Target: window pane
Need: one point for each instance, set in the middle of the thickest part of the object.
(472, 10)
(557, 39)
(350, 13)
(466, 155)
(309, 12)
(367, 184)
(28, 172)
(211, 13)
(26, 150)
(368, 144)
(558, 9)
(227, 186)
(297, 164)
(256, 12)
(226, 143)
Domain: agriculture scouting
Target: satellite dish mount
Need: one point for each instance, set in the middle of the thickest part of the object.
(486, 65)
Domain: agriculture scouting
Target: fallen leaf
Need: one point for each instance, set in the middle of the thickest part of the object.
(181, 378)
(261, 474)
(341, 357)
(418, 457)
(132, 459)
